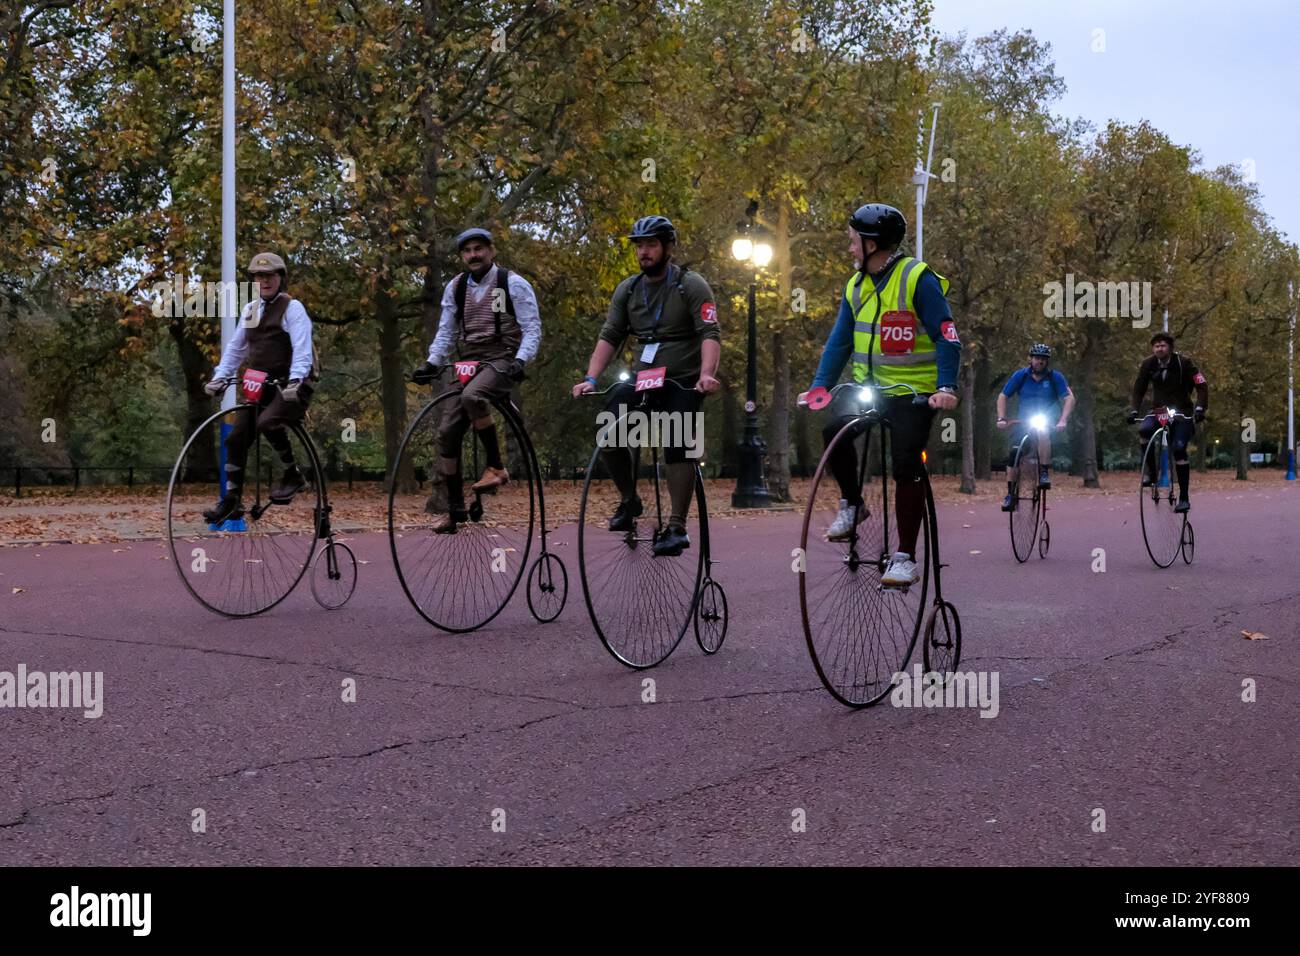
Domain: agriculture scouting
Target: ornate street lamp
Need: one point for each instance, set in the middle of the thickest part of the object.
(750, 247)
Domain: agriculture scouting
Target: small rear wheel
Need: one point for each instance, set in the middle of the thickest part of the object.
(1045, 540)
(1189, 543)
(711, 617)
(334, 575)
(548, 588)
(942, 644)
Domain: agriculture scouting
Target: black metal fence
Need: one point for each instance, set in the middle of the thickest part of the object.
(78, 476)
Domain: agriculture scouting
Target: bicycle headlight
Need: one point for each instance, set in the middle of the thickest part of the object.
(624, 375)
(1038, 423)
(867, 394)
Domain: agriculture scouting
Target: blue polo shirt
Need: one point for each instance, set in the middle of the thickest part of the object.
(1036, 396)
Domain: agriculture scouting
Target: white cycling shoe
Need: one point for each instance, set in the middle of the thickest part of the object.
(902, 571)
(841, 528)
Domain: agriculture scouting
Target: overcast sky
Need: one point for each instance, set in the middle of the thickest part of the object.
(1219, 77)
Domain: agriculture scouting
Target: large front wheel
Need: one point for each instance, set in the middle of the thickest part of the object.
(251, 562)
(640, 604)
(1025, 495)
(461, 580)
(1162, 527)
(860, 633)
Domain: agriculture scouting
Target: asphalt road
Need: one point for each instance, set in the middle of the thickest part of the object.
(1119, 691)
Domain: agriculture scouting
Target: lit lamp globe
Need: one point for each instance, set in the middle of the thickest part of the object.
(742, 249)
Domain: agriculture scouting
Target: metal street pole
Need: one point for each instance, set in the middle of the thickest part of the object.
(228, 298)
(1290, 389)
(751, 486)
(921, 179)
(229, 309)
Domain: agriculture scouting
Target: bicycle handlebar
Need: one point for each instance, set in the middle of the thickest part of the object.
(918, 397)
(632, 381)
(1172, 413)
(439, 370)
(227, 382)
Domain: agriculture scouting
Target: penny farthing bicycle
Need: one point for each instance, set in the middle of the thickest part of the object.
(1028, 515)
(641, 604)
(1167, 533)
(859, 632)
(459, 582)
(253, 561)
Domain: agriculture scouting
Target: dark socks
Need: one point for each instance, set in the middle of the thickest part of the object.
(1184, 474)
(619, 463)
(455, 490)
(680, 478)
(910, 505)
(488, 438)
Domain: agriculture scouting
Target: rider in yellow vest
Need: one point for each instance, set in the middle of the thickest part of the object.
(896, 326)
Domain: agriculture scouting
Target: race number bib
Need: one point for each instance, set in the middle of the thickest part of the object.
(650, 378)
(1162, 415)
(465, 371)
(897, 333)
(251, 387)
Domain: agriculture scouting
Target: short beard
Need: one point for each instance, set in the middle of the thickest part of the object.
(658, 269)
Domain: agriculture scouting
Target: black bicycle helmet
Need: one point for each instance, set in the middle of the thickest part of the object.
(1040, 349)
(885, 224)
(654, 227)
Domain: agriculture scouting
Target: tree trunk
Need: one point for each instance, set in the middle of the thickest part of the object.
(729, 458)
(967, 386)
(202, 461)
(392, 384)
(1086, 408)
(979, 412)
(778, 443)
(1243, 448)
(803, 444)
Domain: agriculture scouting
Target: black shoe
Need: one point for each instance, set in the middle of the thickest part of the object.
(447, 523)
(1183, 506)
(1147, 481)
(625, 515)
(228, 509)
(1008, 503)
(1044, 478)
(290, 484)
(673, 540)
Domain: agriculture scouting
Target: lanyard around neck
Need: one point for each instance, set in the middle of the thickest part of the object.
(645, 299)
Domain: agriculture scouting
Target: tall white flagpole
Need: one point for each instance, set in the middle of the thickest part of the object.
(229, 301)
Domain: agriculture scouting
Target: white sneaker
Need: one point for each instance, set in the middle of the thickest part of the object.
(901, 571)
(842, 527)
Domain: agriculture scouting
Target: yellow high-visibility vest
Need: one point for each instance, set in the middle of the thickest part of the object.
(890, 346)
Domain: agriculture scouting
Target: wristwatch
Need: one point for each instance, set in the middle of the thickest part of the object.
(947, 388)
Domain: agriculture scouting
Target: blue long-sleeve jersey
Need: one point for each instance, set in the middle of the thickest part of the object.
(932, 311)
